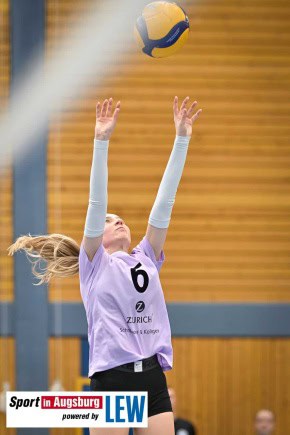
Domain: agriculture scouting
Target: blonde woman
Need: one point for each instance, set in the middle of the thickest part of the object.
(128, 328)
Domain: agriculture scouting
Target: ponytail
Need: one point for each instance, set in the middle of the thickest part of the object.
(59, 251)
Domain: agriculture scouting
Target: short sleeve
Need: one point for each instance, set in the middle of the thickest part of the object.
(146, 248)
(87, 268)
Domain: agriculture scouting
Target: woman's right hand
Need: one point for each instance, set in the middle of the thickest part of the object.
(105, 121)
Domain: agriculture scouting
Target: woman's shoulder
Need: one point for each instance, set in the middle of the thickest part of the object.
(145, 249)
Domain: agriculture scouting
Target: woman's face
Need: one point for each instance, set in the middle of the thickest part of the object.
(116, 229)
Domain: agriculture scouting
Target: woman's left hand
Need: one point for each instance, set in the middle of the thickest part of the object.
(184, 118)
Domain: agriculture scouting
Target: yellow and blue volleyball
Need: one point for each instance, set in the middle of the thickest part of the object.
(162, 29)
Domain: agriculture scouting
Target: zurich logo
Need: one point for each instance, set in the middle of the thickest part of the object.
(140, 306)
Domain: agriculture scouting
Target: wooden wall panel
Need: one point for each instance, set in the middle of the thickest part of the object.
(229, 234)
(7, 374)
(221, 383)
(6, 215)
(7, 345)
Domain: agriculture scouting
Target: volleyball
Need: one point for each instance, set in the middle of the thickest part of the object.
(162, 29)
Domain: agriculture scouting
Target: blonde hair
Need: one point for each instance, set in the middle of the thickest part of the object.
(59, 251)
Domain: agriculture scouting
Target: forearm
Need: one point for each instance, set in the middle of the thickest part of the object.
(161, 211)
(98, 197)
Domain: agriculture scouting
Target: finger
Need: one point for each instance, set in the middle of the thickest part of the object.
(104, 108)
(98, 109)
(117, 110)
(196, 115)
(184, 102)
(175, 106)
(109, 109)
(183, 114)
(190, 110)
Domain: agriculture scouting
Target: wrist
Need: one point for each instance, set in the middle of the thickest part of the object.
(182, 139)
(103, 137)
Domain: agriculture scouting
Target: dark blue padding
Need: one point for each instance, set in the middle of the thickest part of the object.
(84, 357)
(86, 431)
(198, 319)
(30, 322)
(172, 36)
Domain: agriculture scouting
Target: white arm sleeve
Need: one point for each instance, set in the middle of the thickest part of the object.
(161, 211)
(98, 199)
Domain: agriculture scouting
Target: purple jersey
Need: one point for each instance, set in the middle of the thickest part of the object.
(125, 307)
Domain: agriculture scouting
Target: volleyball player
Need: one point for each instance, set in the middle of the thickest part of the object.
(128, 327)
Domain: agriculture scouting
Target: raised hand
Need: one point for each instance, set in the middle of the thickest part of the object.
(105, 120)
(184, 118)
